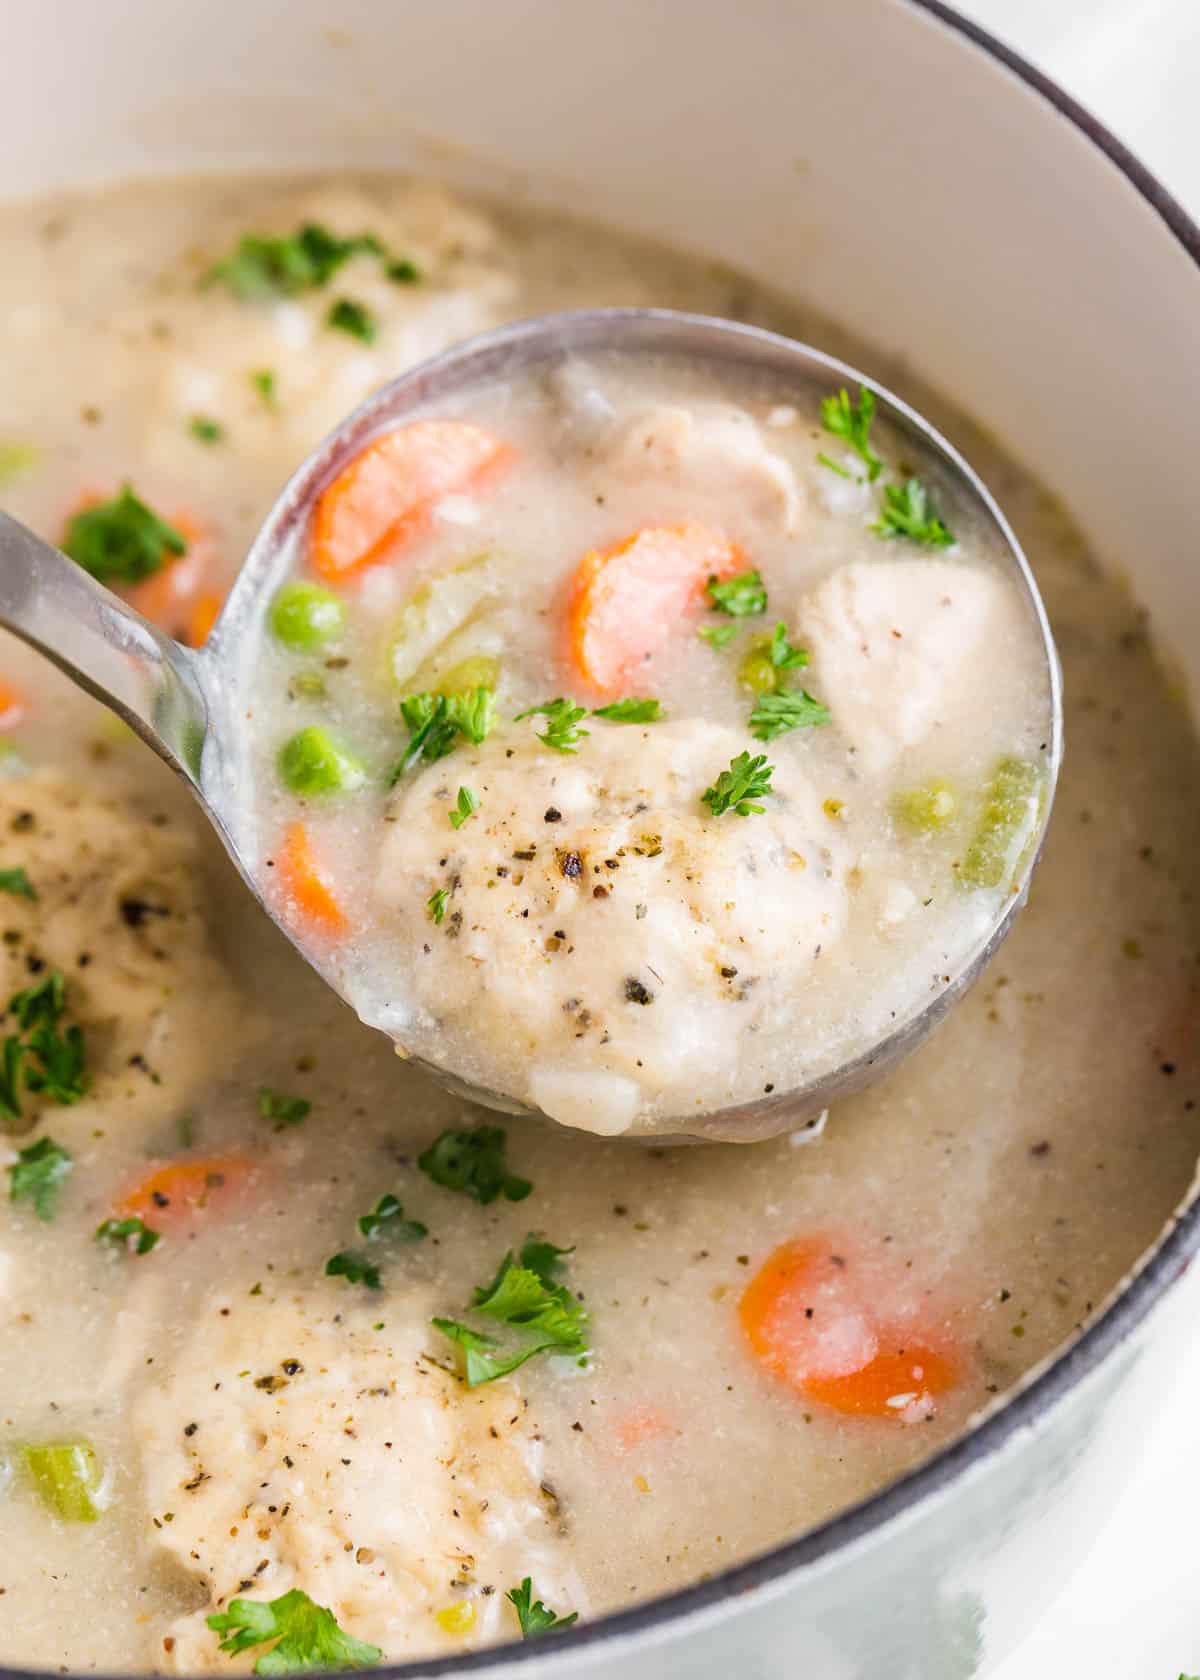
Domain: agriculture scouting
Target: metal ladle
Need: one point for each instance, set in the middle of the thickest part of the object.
(183, 702)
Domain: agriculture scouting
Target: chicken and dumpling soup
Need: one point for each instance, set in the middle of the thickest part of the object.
(305, 1360)
(667, 759)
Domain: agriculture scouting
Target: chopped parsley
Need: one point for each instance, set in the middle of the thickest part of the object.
(524, 1297)
(10, 1078)
(387, 1220)
(265, 382)
(283, 1110)
(908, 512)
(562, 730)
(43, 1002)
(630, 711)
(718, 635)
(353, 1265)
(121, 541)
(205, 430)
(828, 461)
(349, 316)
(852, 421)
(435, 905)
(37, 1176)
(783, 655)
(58, 1056)
(740, 597)
(776, 714)
(738, 788)
(307, 1635)
(474, 1162)
(404, 272)
(435, 721)
(263, 266)
(533, 1615)
(118, 1232)
(467, 806)
(17, 882)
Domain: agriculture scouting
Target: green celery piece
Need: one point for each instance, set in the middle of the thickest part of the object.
(68, 1477)
(1011, 810)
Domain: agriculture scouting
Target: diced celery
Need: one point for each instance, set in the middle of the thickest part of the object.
(1011, 809)
(16, 459)
(927, 808)
(432, 614)
(478, 671)
(68, 1477)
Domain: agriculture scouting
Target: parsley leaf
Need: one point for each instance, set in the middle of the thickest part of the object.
(43, 1002)
(349, 316)
(263, 266)
(468, 804)
(435, 905)
(783, 655)
(285, 1111)
(562, 720)
(205, 430)
(117, 1232)
(718, 635)
(533, 1615)
(630, 711)
(523, 1296)
(852, 421)
(61, 1055)
(121, 541)
(403, 272)
(265, 383)
(37, 1175)
(17, 882)
(747, 780)
(353, 1265)
(435, 721)
(908, 512)
(842, 472)
(741, 596)
(387, 1220)
(776, 714)
(474, 1162)
(10, 1073)
(308, 1635)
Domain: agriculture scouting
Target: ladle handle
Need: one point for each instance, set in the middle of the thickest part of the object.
(147, 679)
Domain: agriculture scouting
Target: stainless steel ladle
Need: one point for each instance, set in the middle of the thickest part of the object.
(183, 702)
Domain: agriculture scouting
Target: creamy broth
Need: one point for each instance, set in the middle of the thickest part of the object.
(982, 1202)
(680, 947)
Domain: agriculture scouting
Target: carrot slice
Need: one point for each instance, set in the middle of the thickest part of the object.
(204, 613)
(815, 1323)
(627, 600)
(175, 1194)
(13, 706)
(300, 877)
(384, 498)
(640, 1425)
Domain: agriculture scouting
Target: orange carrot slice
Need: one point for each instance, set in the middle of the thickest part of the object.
(627, 600)
(173, 595)
(641, 1425)
(13, 706)
(814, 1323)
(300, 877)
(384, 498)
(174, 1195)
(204, 613)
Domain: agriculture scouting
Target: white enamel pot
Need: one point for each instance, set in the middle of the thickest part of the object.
(906, 174)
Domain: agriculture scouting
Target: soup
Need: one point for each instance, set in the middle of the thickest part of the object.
(299, 1343)
(437, 814)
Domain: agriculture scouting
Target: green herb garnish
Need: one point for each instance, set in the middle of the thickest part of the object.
(474, 1162)
(435, 905)
(263, 266)
(908, 512)
(852, 421)
(630, 711)
(307, 1635)
(387, 1220)
(525, 1297)
(736, 789)
(435, 721)
(403, 272)
(562, 720)
(740, 597)
(60, 1055)
(718, 635)
(121, 541)
(37, 1176)
(349, 316)
(265, 382)
(283, 1111)
(205, 430)
(354, 1266)
(117, 1233)
(776, 714)
(533, 1615)
(17, 882)
(783, 655)
(828, 461)
(10, 1078)
(467, 806)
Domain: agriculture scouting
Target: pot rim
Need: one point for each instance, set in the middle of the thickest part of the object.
(1165, 1266)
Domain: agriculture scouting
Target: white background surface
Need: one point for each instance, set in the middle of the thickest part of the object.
(1133, 1610)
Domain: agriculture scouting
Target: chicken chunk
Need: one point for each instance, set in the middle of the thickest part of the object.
(607, 941)
(713, 445)
(294, 1445)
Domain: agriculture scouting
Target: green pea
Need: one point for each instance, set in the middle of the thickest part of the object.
(757, 671)
(479, 671)
(305, 616)
(312, 763)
